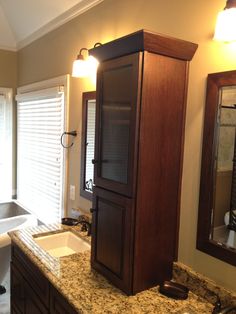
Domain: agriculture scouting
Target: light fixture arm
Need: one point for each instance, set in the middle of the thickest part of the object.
(80, 55)
(82, 49)
(97, 44)
(84, 66)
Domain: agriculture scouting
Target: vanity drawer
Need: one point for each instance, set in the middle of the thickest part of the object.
(32, 274)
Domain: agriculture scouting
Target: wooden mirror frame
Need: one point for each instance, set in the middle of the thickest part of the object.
(215, 82)
(85, 98)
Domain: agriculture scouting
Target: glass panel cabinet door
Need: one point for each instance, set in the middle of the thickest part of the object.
(117, 114)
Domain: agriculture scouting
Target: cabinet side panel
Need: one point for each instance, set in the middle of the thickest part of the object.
(159, 170)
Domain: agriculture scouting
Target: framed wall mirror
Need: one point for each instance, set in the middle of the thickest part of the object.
(217, 204)
(87, 144)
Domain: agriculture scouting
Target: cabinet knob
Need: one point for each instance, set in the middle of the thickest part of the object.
(92, 210)
(94, 161)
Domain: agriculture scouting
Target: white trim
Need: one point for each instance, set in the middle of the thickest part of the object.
(46, 84)
(79, 8)
(46, 92)
(8, 48)
(60, 80)
(8, 92)
(66, 151)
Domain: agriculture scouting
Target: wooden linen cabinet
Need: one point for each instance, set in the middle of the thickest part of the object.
(141, 104)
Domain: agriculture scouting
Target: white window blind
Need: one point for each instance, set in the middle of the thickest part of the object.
(90, 143)
(40, 156)
(6, 145)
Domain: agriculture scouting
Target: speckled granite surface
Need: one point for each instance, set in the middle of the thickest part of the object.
(202, 286)
(91, 293)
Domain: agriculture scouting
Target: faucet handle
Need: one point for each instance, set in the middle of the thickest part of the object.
(85, 226)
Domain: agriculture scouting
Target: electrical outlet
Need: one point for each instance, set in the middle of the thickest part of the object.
(72, 192)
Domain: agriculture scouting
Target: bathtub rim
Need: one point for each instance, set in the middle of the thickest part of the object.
(31, 220)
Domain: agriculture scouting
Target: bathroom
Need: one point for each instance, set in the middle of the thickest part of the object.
(52, 54)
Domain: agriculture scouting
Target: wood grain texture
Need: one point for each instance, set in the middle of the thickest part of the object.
(59, 305)
(150, 231)
(32, 273)
(169, 46)
(132, 97)
(31, 292)
(206, 200)
(144, 40)
(159, 169)
(112, 240)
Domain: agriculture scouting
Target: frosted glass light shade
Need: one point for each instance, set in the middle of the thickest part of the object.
(226, 25)
(80, 68)
(84, 68)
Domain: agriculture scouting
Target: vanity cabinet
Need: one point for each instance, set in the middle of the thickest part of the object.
(31, 292)
(24, 299)
(141, 103)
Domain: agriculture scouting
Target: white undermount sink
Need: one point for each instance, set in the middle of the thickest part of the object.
(62, 244)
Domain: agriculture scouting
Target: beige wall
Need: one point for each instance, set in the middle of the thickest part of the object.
(8, 78)
(8, 69)
(53, 54)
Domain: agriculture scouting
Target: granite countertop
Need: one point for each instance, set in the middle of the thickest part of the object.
(90, 292)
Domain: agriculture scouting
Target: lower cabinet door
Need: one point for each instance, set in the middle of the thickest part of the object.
(112, 237)
(32, 303)
(23, 298)
(14, 310)
(17, 291)
(58, 305)
(26, 297)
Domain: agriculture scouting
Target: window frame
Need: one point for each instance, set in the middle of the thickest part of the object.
(86, 96)
(47, 84)
(8, 93)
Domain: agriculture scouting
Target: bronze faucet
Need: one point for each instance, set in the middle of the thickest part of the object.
(86, 226)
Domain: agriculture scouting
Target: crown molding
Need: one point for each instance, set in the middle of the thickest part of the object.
(75, 11)
(8, 48)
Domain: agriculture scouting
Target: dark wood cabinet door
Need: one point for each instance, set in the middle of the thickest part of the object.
(31, 292)
(32, 303)
(58, 304)
(17, 291)
(32, 274)
(112, 237)
(14, 310)
(117, 115)
(23, 298)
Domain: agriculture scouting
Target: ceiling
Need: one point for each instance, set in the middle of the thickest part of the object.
(22, 21)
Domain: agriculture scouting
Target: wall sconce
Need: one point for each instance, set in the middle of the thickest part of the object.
(226, 23)
(85, 66)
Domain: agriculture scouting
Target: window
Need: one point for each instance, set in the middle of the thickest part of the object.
(5, 144)
(88, 143)
(41, 116)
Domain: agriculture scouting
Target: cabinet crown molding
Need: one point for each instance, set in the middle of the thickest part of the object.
(144, 40)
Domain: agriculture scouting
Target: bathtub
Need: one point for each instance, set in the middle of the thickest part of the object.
(6, 225)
